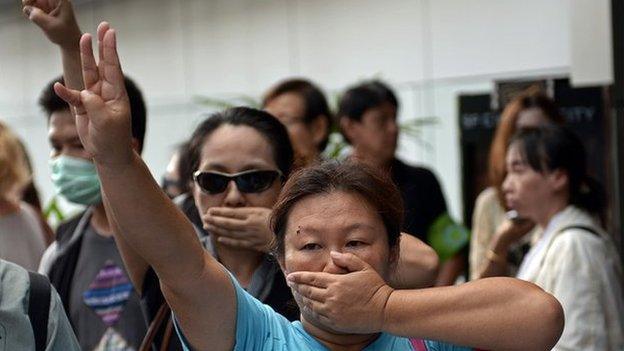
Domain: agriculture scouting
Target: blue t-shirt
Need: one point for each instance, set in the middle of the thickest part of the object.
(260, 328)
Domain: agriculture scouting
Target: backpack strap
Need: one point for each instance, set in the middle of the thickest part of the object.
(584, 228)
(581, 227)
(39, 308)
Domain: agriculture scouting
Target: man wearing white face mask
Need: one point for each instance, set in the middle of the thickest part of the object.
(84, 264)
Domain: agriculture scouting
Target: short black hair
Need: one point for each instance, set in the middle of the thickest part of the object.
(315, 102)
(263, 122)
(50, 103)
(364, 96)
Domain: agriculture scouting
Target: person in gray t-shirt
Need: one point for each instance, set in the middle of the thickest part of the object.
(15, 328)
(103, 305)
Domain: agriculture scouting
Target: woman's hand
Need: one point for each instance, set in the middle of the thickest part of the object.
(507, 233)
(350, 303)
(102, 110)
(56, 19)
(510, 232)
(243, 227)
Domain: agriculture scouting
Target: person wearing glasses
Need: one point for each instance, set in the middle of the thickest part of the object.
(337, 234)
(241, 158)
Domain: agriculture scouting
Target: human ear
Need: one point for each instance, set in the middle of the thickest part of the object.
(559, 179)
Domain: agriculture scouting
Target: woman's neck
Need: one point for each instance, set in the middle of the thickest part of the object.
(338, 342)
(546, 215)
(242, 263)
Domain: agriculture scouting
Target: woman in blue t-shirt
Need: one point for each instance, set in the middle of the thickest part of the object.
(337, 228)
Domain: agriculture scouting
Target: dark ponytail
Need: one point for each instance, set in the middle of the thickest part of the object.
(548, 148)
(591, 197)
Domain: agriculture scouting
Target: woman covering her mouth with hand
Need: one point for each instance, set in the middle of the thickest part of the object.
(337, 229)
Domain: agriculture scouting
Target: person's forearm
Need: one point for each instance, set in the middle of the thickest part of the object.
(150, 222)
(72, 68)
(135, 264)
(494, 314)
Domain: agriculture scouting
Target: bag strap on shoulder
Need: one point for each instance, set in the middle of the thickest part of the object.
(581, 227)
(584, 228)
(39, 308)
(162, 318)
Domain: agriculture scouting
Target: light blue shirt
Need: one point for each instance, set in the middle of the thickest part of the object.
(259, 328)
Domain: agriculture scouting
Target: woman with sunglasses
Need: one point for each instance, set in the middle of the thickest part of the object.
(241, 157)
(339, 222)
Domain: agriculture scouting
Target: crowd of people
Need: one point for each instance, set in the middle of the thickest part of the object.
(254, 241)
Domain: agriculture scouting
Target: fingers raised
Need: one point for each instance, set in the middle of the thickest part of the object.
(112, 68)
(101, 30)
(89, 66)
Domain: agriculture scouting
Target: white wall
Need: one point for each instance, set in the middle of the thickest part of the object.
(429, 50)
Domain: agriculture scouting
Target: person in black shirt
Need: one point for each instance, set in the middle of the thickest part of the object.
(368, 121)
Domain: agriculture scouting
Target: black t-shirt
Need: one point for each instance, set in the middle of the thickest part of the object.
(422, 197)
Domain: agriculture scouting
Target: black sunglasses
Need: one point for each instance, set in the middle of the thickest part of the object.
(253, 181)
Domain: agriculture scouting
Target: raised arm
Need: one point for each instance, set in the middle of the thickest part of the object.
(57, 21)
(135, 264)
(146, 218)
(491, 314)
